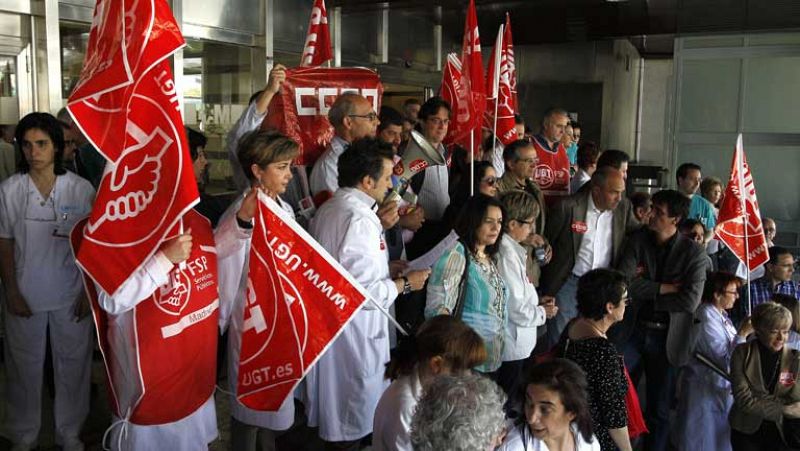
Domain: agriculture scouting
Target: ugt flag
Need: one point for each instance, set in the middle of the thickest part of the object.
(300, 109)
(126, 105)
(739, 223)
(455, 90)
(499, 109)
(317, 49)
(298, 301)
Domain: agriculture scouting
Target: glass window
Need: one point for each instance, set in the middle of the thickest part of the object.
(710, 95)
(74, 40)
(8, 82)
(411, 38)
(360, 37)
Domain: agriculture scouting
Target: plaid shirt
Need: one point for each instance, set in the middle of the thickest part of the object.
(761, 290)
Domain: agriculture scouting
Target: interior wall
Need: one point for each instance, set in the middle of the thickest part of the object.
(545, 71)
(657, 93)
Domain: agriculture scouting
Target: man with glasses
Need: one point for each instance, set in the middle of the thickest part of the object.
(778, 278)
(586, 231)
(352, 118)
(552, 172)
(689, 177)
(666, 272)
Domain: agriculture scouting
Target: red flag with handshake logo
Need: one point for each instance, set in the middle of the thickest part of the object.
(739, 224)
(126, 104)
(298, 301)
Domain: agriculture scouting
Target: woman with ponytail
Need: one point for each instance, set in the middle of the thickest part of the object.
(442, 345)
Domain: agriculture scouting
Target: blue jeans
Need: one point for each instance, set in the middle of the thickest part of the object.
(646, 352)
(567, 310)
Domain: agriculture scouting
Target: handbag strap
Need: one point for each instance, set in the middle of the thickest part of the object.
(458, 310)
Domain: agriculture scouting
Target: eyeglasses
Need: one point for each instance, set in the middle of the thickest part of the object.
(489, 180)
(370, 117)
(524, 222)
(532, 160)
(626, 300)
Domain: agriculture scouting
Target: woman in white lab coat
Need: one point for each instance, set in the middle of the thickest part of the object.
(38, 207)
(267, 158)
(706, 397)
(442, 345)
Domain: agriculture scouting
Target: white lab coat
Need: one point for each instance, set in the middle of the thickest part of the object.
(521, 439)
(706, 397)
(192, 432)
(249, 120)
(344, 387)
(325, 173)
(392, 426)
(524, 312)
(50, 281)
(233, 272)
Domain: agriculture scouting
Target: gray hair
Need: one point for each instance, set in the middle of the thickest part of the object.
(769, 316)
(344, 106)
(458, 414)
(552, 112)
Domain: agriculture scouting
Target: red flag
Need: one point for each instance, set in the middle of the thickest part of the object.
(508, 44)
(472, 79)
(455, 90)
(300, 110)
(318, 40)
(126, 104)
(740, 207)
(499, 94)
(299, 300)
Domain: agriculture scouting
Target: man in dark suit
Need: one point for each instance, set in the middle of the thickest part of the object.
(586, 232)
(666, 271)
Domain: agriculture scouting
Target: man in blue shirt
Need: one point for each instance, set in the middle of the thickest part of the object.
(689, 177)
(778, 278)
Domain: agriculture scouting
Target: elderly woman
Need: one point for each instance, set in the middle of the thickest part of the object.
(443, 345)
(525, 313)
(43, 287)
(556, 411)
(459, 413)
(706, 398)
(465, 281)
(602, 295)
(766, 397)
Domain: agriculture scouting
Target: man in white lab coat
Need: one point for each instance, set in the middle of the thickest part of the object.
(352, 117)
(344, 387)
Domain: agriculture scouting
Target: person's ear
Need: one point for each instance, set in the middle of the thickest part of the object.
(436, 365)
(256, 171)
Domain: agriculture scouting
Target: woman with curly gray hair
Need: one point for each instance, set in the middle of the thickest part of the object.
(459, 414)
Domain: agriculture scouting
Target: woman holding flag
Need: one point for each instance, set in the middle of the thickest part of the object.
(266, 157)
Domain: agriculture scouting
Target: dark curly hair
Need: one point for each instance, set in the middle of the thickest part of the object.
(597, 288)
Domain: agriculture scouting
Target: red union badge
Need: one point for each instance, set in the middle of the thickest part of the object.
(579, 227)
(300, 111)
(787, 378)
(298, 301)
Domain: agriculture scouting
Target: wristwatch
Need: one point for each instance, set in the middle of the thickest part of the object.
(406, 286)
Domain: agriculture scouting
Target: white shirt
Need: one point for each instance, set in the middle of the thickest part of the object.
(581, 177)
(392, 426)
(596, 244)
(521, 439)
(434, 195)
(233, 271)
(325, 173)
(344, 387)
(45, 268)
(498, 163)
(249, 120)
(524, 312)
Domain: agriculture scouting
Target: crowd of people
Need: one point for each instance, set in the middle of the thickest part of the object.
(560, 301)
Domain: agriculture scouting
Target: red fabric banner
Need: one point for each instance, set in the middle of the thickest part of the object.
(127, 106)
(499, 95)
(508, 44)
(298, 301)
(739, 209)
(175, 324)
(471, 79)
(300, 110)
(317, 49)
(455, 90)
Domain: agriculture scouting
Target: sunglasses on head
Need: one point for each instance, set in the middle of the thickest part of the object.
(489, 180)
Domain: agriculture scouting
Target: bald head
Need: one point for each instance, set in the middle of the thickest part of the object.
(353, 117)
(608, 187)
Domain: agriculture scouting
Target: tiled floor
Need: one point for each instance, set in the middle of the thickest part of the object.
(301, 438)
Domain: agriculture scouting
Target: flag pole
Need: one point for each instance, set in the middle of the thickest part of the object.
(388, 315)
(496, 85)
(740, 170)
(472, 162)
